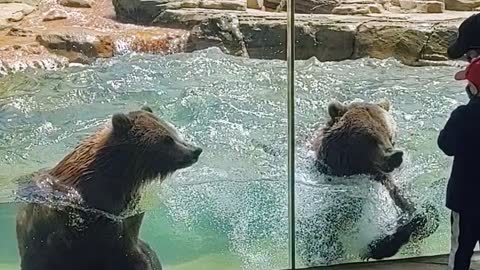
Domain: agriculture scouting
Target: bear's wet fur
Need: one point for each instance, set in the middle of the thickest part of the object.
(359, 139)
(101, 179)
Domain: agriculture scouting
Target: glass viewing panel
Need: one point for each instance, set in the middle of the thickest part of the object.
(369, 108)
(216, 71)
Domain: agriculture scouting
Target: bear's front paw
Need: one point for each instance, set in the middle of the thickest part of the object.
(388, 245)
(380, 248)
(427, 223)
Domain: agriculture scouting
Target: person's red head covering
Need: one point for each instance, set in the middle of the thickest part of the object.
(471, 73)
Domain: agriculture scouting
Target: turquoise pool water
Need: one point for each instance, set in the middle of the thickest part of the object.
(229, 211)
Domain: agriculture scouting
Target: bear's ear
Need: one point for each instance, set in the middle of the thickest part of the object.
(147, 109)
(121, 123)
(384, 104)
(336, 109)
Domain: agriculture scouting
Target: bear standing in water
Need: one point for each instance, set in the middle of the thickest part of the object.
(359, 140)
(102, 177)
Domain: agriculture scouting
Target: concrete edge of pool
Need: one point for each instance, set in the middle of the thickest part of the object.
(439, 262)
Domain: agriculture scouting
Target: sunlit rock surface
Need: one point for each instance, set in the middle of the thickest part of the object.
(46, 34)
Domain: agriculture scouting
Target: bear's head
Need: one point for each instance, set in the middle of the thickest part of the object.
(154, 142)
(121, 157)
(381, 109)
(360, 138)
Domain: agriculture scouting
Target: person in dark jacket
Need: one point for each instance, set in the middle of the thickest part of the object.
(460, 139)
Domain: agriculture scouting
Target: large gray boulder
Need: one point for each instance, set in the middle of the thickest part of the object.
(325, 41)
(409, 42)
(221, 31)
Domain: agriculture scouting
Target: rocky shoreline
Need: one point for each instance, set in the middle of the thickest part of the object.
(48, 34)
(51, 34)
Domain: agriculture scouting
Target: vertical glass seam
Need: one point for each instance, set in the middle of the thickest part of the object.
(291, 129)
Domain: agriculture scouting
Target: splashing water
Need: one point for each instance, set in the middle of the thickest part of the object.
(230, 209)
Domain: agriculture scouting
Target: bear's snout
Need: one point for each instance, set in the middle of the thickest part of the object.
(197, 152)
(393, 160)
(188, 155)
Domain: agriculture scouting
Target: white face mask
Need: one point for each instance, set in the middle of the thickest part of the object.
(472, 91)
(472, 54)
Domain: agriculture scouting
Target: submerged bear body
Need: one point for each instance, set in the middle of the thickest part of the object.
(92, 225)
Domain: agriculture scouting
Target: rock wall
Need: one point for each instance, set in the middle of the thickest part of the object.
(351, 7)
(54, 33)
(414, 40)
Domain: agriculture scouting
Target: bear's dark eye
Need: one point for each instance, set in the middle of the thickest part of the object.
(147, 109)
(169, 140)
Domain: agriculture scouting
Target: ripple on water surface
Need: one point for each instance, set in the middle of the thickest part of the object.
(235, 108)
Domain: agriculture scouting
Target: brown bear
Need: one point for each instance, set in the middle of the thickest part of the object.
(74, 216)
(359, 139)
